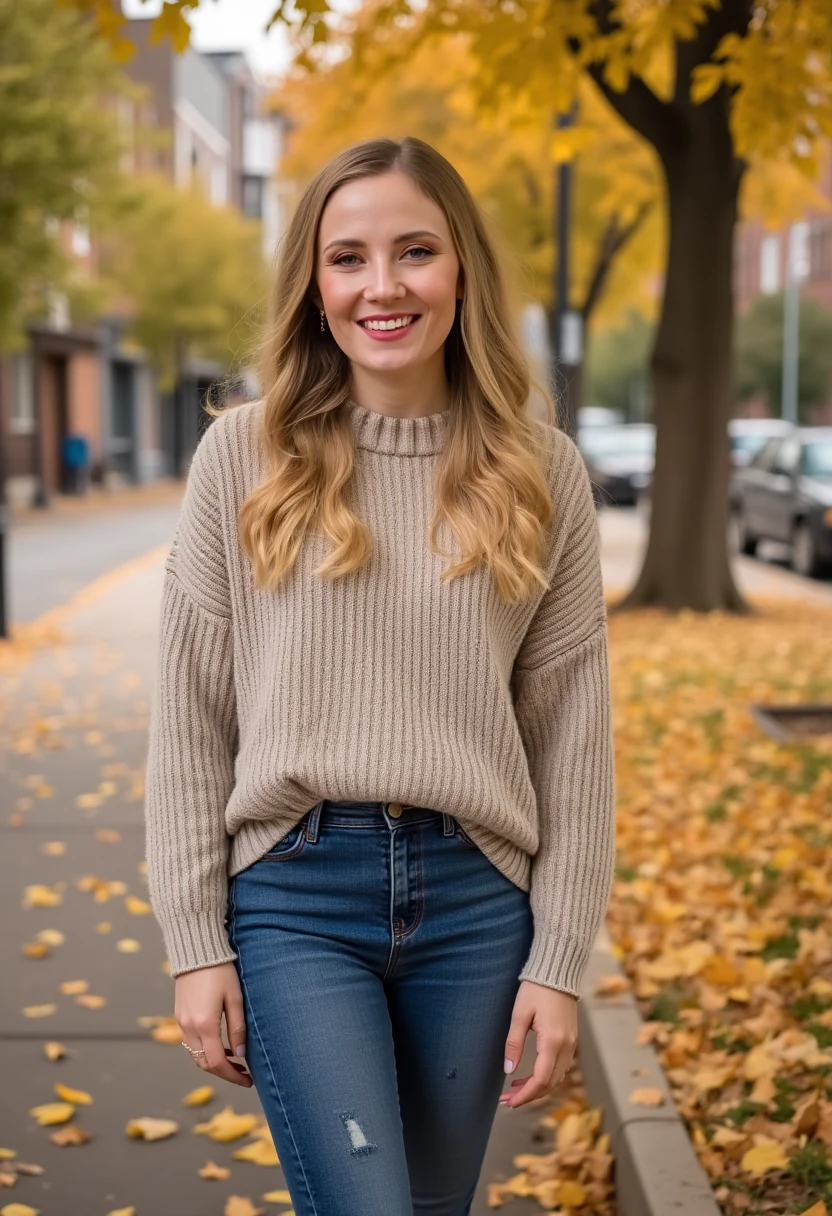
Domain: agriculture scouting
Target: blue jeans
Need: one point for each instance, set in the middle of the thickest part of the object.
(378, 958)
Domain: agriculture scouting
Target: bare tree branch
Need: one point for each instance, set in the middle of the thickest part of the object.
(613, 241)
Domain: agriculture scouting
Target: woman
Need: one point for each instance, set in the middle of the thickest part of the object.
(380, 786)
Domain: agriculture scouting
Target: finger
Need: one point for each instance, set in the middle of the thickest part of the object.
(235, 1026)
(537, 1084)
(521, 1021)
(238, 1064)
(219, 1064)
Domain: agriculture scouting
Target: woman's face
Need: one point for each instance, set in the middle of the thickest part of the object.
(387, 273)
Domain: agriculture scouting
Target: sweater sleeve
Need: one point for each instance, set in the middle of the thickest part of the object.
(562, 704)
(193, 731)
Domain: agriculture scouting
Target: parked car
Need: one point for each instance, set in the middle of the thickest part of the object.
(748, 435)
(785, 493)
(619, 459)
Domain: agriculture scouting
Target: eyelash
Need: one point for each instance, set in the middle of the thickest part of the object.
(413, 249)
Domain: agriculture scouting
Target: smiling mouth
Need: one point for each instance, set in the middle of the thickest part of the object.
(393, 325)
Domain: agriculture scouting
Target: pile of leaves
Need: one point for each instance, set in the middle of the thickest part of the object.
(573, 1178)
(720, 909)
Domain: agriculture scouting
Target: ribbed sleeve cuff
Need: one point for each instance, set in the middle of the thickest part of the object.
(556, 962)
(195, 939)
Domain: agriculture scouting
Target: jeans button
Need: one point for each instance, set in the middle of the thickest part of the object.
(395, 809)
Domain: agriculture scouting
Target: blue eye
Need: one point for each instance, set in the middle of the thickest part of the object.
(417, 249)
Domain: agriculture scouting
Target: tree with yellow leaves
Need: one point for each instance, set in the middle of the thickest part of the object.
(713, 86)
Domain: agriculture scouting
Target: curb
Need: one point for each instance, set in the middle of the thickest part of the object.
(657, 1172)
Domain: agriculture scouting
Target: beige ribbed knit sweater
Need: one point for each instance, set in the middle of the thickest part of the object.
(385, 685)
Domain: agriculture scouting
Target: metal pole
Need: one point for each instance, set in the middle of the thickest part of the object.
(791, 334)
(567, 324)
(4, 511)
(795, 271)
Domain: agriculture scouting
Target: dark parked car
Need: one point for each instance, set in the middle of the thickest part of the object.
(619, 459)
(785, 494)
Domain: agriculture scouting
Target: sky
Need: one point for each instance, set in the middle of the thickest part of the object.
(231, 25)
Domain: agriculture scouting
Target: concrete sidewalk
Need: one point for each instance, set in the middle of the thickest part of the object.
(73, 734)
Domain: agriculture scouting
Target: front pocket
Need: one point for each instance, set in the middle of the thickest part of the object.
(290, 845)
(463, 835)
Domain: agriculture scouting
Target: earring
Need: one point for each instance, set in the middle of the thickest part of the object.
(323, 320)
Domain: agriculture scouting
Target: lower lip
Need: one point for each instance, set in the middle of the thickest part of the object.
(388, 335)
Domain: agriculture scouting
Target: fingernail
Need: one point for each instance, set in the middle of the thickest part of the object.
(509, 1066)
(240, 1049)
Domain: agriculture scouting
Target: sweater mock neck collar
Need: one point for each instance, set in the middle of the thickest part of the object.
(423, 436)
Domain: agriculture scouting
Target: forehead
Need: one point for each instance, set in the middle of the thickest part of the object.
(378, 208)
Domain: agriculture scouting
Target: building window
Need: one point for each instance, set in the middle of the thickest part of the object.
(770, 264)
(253, 197)
(820, 250)
(23, 394)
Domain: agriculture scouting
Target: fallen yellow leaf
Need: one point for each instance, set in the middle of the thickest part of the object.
(764, 1156)
(168, 1031)
(240, 1205)
(226, 1125)
(212, 1170)
(54, 1051)
(128, 945)
(611, 985)
(817, 1209)
(71, 987)
(35, 949)
(277, 1197)
(38, 1011)
(148, 1128)
(19, 1209)
(53, 848)
(6, 1154)
(259, 1152)
(52, 1112)
(71, 1134)
(78, 1096)
(91, 1002)
(571, 1195)
(122, 1212)
(138, 907)
(198, 1097)
(647, 1097)
(39, 896)
(52, 937)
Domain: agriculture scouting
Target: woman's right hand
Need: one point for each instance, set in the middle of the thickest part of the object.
(200, 998)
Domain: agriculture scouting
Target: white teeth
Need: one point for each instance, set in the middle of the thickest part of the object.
(398, 323)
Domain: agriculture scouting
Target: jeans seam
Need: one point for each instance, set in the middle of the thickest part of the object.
(420, 903)
(273, 1080)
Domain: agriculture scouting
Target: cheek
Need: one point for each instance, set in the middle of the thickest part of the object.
(439, 293)
(336, 295)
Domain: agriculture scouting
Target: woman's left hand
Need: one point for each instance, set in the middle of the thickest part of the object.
(553, 1016)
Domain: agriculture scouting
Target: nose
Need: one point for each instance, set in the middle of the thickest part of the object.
(384, 283)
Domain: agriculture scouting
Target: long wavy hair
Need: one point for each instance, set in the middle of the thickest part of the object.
(490, 485)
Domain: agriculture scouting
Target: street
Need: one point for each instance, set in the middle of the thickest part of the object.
(52, 556)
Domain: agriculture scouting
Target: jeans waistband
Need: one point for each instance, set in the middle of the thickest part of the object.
(347, 813)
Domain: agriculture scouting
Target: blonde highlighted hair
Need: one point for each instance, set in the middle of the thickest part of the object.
(490, 486)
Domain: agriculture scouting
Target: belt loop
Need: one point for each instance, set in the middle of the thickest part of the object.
(314, 821)
(448, 821)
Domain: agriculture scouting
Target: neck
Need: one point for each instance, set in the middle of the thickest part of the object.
(411, 393)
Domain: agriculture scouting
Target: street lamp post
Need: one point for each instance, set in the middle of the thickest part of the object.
(567, 323)
(797, 269)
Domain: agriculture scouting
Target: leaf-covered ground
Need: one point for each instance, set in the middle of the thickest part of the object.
(721, 905)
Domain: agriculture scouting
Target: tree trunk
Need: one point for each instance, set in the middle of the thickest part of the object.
(687, 564)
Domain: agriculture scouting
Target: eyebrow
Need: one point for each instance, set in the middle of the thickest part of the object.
(404, 236)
